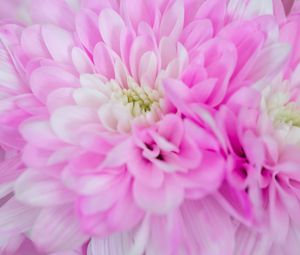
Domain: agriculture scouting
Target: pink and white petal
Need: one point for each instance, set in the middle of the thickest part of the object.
(97, 6)
(171, 128)
(207, 178)
(104, 196)
(32, 42)
(222, 68)
(279, 218)
(37, 131)
(208, 228)
(213, 10)
(247, 97)
(140, 45)
(254, 149)
(236, 202)
(145, 14)
(201, 91)
(73, 252)
(81, 61)
(117, 244)
(52, 12)
(17, 217)
(104, 61)
(92, 81)
(58, 41)
(144, 171)
(101, 182)
(59, 98)
(269, 61)
(203, 138)
(134, 214)
(56, 229)
(196, 33)
(10, 169)
(161, 200)
(172, 21)
(178, 94)
(67, 121)
(168, 51)
(148, 69)
(118, 155)
(35, 157)
(249, 242)
(248, 40)
(37, 189)
(89, 97)
(111, 26)
(87, 29)
(46, 79)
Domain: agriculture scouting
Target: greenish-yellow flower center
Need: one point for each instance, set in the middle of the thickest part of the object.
(288, 114)
(139, 99)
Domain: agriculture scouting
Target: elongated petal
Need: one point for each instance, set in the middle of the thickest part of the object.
(56, 229)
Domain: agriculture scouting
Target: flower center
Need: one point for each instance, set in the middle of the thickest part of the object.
(140, 100)
(282, 110)
(121, 104)
(288, 114)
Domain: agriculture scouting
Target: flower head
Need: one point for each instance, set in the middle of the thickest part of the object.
(116, 113)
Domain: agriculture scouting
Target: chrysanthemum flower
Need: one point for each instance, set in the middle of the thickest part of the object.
(116, 134)
(265, 148)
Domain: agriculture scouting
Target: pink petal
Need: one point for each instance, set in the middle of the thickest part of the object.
(195, 33)
(59, 98)
(213, 10)
(160, 200)
(37, 189)
(58, 42)
(67, 121)
(140, 45)
(103, 61)
(49, 78)
(56, 229)
(144, 171)
(148, 69)
(207, 177)
(117, 244)
(32, 42)
(81, 61)
(111, 25)
(52, 12)
(269, 61)
(279, 218)
(16, 216)
(87, 29)
(208, 227)
(171, 128)
(172, 21)
(38, 132)
(118, 155)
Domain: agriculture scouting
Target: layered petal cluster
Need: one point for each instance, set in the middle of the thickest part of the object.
(149, 127)
(261, 187)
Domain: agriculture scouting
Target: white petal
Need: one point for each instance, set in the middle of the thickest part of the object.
(117, 244)
(17, 217)
(37, 189)
(57, 229)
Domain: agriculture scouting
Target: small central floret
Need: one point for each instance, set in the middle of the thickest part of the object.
(139, 99)
(288, 114)
(282, 110)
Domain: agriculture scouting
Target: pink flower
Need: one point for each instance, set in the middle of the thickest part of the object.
(262, 183)
(115, 116)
